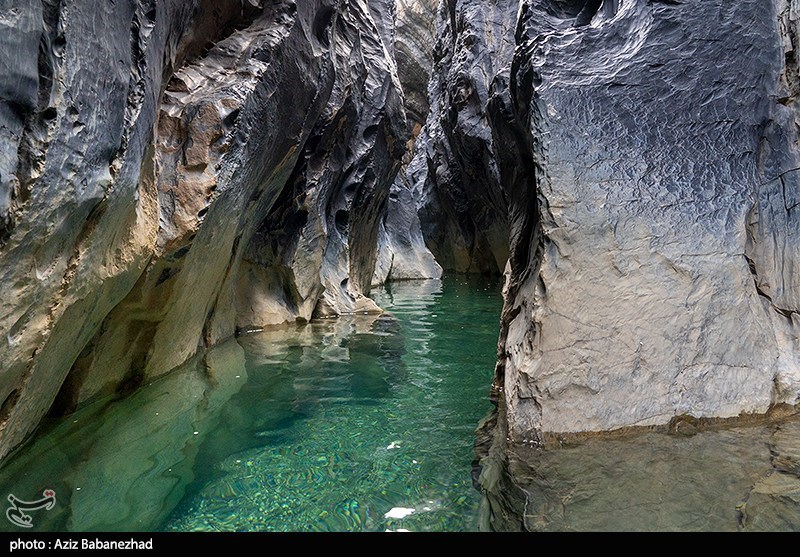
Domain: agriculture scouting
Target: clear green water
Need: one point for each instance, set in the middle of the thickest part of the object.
(324, 427)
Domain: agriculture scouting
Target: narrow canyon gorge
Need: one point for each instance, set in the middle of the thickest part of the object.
(178, 173)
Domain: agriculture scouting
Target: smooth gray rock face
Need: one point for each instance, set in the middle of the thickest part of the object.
(173, 171)
(649, 159)
(402, 253)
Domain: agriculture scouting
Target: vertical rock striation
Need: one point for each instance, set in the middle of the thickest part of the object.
(413, 50)
(174, 171)
(462, 204)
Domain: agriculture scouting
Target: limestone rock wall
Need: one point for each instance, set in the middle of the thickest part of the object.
(414, 40)
(463, 209)
(632, 167)
(402, 250)
(173, 171)
(663, 262)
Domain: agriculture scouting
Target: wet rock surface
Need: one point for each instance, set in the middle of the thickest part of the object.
(774, 501)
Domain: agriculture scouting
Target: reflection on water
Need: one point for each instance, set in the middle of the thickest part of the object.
(345, 424)
(743, 478)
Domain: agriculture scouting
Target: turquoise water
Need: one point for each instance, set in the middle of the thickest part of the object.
(343, 424)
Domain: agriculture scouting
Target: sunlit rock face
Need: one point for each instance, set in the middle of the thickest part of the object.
(649, 152)
(172, 172)
(413, 49)
(630, 167)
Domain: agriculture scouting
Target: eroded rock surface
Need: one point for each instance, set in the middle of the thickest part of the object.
(172, 172)
(648, 169)
(402, 250)
(654, 277)
(463, 207)
(413, 47)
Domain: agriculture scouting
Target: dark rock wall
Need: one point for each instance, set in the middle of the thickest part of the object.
(174, 171)
(413, 50)
(462, 206)
(402, 250)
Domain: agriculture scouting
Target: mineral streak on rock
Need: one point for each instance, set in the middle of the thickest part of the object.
(173, 171)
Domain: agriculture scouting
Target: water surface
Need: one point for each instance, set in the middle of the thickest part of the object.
(744, 478)
(328, 426)
(346, 423)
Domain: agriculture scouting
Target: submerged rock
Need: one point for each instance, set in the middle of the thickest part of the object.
(117, 469)
(716, 480)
